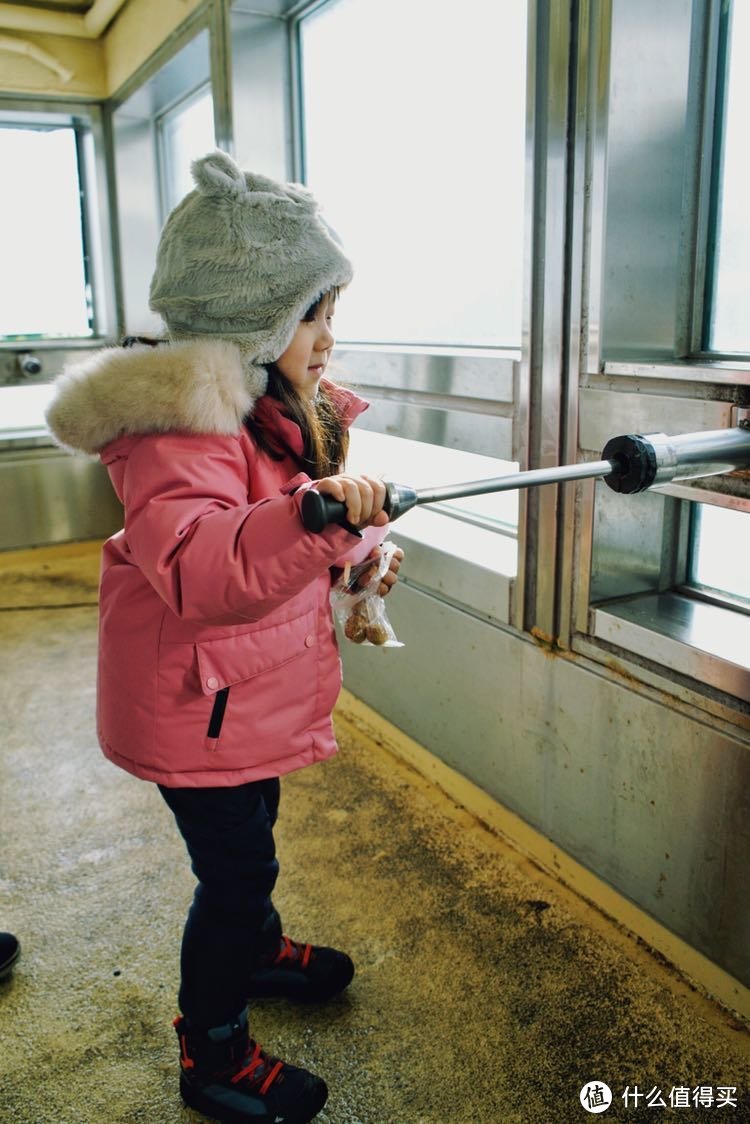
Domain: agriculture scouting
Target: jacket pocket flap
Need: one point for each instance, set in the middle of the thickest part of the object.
(232, 659)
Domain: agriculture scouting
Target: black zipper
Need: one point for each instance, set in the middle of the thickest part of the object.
(217, 714)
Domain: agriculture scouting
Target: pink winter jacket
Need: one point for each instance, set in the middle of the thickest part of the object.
(218, 661)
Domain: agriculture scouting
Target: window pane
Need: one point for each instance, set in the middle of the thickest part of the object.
(730, 326)
(187, 132)
(421, 167)
(43, 290)
(721, 548)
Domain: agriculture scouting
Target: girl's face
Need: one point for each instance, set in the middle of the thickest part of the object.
(306, 358)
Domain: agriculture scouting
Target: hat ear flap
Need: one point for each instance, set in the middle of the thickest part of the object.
(217, 175)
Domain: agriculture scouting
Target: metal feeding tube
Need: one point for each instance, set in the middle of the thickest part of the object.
(533, 478)
(631, 463)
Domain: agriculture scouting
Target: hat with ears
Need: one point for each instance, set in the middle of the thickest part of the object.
(243, 257)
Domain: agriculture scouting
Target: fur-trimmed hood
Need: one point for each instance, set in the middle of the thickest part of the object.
(198, 387)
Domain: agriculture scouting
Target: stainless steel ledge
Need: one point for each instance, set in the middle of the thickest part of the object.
(704, 642)
(461, 564)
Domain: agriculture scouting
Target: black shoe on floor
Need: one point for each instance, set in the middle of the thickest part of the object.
(302, 972)
(226, 1076)
(10, 950)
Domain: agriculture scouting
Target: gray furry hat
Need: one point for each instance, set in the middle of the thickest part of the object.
(243, 257)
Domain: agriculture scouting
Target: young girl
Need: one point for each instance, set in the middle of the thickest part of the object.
(218, 665)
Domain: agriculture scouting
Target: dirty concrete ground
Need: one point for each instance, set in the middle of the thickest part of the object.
(482, 995)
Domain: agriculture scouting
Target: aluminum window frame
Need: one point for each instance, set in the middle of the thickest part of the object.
(160, 122)
(690, 585)
(705, 98)
(85, 122)
(609, 631)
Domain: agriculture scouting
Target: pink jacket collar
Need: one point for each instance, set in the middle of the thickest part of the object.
(270, 413)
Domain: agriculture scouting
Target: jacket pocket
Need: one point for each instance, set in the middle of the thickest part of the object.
(264, 692)
(233, 659)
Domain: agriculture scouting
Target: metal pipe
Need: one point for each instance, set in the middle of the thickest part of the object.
(630, 463)
(533, 478)
(656, 459)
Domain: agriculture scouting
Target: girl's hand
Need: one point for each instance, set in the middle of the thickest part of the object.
(389, 578)
(364, 497)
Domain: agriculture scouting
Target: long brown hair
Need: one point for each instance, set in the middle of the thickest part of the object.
(325, 439)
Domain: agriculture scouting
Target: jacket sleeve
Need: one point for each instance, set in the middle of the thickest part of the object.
(209, 553)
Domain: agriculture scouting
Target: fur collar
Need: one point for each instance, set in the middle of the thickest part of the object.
(197, 387)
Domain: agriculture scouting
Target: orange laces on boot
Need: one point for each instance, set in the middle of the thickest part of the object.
(293, 950)
(255, 1069)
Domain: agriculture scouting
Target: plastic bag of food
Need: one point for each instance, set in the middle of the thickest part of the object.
(359, 609)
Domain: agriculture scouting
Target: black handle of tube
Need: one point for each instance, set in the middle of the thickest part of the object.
(319, 510)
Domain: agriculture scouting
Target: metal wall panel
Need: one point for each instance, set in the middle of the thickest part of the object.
(47, 496)
(649, 84)
(652, 801)
(627, 553)
(473, 433)
(260, 93)
(609, 413)
(137, 175)
(457, 400)
(137, 210)
(472, 380)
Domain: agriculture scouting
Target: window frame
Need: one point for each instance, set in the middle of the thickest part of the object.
(681, 389)
(99, 250)
(161, 120)
(690, 585)
(705, 106)
(79, 131)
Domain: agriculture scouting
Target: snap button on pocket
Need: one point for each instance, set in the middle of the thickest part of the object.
(309, 641)
(212, 682)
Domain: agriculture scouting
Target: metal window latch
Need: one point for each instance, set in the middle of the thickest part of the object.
(28, 364)
(741, 416)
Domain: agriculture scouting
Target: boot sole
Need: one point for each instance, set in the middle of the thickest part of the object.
(194, 1098)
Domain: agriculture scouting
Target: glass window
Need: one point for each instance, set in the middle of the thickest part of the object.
(720, 551)
(44, 290)
(728, 326)
(419, 464)
(421, 168)
(186, 132)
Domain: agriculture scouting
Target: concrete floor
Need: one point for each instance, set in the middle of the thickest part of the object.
(485, 993)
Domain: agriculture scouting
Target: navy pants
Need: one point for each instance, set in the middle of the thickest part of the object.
(232, 921)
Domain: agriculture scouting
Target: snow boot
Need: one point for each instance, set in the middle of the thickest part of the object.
(226, 1076)
(302, 972)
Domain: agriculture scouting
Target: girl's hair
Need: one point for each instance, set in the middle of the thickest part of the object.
(325, 440)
